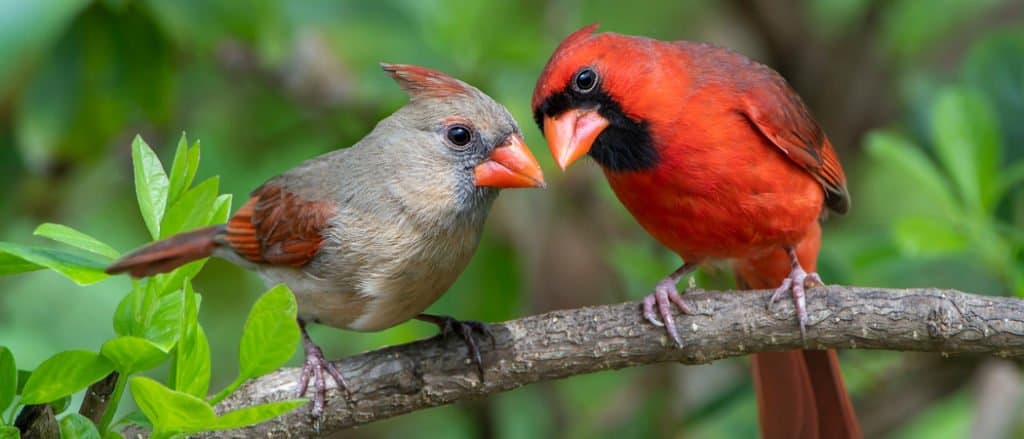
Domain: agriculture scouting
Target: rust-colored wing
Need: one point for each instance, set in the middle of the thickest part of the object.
(278, 227)
(779, 114)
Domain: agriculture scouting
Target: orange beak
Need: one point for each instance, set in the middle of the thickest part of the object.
(571, 134)
(510, 165)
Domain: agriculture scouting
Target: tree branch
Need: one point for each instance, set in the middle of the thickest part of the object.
(429, 373)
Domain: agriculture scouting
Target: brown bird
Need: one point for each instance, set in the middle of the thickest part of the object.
(717, 157)
(369, 236)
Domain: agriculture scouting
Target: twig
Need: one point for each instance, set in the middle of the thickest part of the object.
(428, 373)
(97, 397)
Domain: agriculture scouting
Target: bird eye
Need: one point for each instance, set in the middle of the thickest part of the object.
(586, 79)
(459, 135)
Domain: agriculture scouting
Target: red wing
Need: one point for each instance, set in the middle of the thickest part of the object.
(278, 227)
(781, 116)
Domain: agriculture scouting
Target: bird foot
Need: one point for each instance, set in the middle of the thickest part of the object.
(315, 367)
(465, 329)
(664, 296)
(797, 281)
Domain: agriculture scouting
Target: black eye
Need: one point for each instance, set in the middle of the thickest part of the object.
(459, 135)
(586, 79)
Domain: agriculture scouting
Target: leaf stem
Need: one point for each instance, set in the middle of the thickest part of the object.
(227, 390)
(115, 401)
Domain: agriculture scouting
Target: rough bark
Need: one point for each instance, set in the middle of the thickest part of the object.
(428, 373)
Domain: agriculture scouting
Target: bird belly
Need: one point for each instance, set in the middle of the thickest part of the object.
(373, 284)
(739, 208)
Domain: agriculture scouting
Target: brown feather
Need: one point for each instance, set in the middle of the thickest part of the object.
(167, 254)
(278, 227)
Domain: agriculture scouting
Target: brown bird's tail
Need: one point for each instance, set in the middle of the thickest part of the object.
(168, 253)
(800, 394)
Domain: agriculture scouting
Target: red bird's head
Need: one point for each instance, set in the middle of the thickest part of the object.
(599, 94)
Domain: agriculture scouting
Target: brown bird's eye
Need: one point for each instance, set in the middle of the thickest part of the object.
(586, 79)
(459, 135)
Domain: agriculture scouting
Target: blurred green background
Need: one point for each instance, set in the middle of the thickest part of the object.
(923, 99)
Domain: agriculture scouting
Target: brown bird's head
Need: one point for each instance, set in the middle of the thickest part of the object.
(457, 133)
(597, 95)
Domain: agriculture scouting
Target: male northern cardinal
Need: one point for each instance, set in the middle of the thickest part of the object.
(717, 158)
(369, 236)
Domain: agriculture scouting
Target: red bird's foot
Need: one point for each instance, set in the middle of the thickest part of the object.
(315, 367)
(664, 296)
(464, 328)
(797, 281)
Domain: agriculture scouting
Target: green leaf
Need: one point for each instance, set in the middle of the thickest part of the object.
(8, 378)
(151, 184)
(79, 268)
(132, 354)
(11, 264)
(113, 435)
(143, 313)
(271, 333)
(169, 410)
(221, 209)
(966, 137)
(23, 376)
(928, 236)
(76, 426)
(183, 170)
(192, 210)
(192, 364)
(893, 150)
(256, 414)
(58, 406)
(8, 432)
(134, 309)
(164, 326)
(63, 374)
(74, 238)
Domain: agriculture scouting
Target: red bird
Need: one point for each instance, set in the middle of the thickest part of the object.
(717, 158)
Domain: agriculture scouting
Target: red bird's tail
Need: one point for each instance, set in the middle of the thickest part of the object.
(800, 394)
(169, 253)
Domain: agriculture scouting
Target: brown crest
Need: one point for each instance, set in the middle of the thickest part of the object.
(423, 82)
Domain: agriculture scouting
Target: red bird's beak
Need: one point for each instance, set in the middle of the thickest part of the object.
(571, 134)
(510, 165)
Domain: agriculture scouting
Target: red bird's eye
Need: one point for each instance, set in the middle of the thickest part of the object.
(586, 79)
(459, 135)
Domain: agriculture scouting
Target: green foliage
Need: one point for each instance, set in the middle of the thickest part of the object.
(63, 374)
(964, 182)
(8, 379)
(76, 426)
(9, 432)
(151, 185)
(155, 321)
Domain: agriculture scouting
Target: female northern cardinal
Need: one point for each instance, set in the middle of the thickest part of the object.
(717, 158)
(369, 236)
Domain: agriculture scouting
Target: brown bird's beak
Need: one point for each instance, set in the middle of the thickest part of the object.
(571, 134)
(510, 165)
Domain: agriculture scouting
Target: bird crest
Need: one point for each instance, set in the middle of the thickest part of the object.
(421, 82)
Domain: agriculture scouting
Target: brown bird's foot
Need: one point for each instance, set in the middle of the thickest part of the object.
(464, 328)
(664, 296)
(315, 367)
(797, 282)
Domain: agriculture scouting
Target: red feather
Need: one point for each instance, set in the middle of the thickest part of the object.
(742, 171)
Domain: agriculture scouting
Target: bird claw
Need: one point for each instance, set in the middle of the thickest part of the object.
(314, 368)
(664, 296)
(797, 282)
(464, 328)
